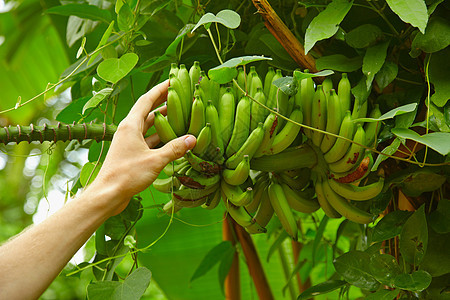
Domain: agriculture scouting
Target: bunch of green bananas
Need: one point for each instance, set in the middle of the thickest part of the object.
(257, 162)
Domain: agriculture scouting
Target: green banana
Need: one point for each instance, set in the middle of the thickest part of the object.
(357, 193)
(213, 200)
(263, 214)
(358, 173)
(341, 146)
(282, 104)
(255, 82)
(353, 156)
(196, 180)
(173, 69)
(327, 86)
(197, 121)
(202, 165)
(344, 93)
(345, 208)
(175, 114)
(198, 92)
(258, 112)
(249, 147)
(214, 91)
(171, 208)
(260, 184)
(268, 80)
(334, 120)
(186, 102)
(297, 96)
(176, 84)
(172, 168)
(271, 100)
(373, 128)
(189, 203)
(270, 126)
(298, 202)
(163, 128)
(318, 115)
(205, 85)
(226, 109)
(282, 209)
(186, 194)
(194, 74)
(203, 140)
(241, 126)
(239, 175)
(242, 82)
(323, 201)
(236, 195)
(302, 156)
(239, 214)
(359, 109)
(287, 135)
(297, 183)
(166, 185)
(306, 95)
(212, 117)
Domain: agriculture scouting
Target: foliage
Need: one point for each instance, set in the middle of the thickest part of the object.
(101, 55)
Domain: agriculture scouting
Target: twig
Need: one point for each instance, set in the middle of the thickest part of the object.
(232, 281)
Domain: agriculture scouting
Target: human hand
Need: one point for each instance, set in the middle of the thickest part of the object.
(132, 164)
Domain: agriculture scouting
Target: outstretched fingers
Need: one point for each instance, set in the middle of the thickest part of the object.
(149, 101)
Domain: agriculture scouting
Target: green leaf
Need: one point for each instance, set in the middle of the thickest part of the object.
(227, 71)
(414, 237)
(84, 11)
(411, 11)
(383, 295)
(125, 19)
(86, 172)
(384, 268)
(129, 241)
(373, 61)
(363, 36)
(226, 17)
(361, 90)
(103, 41)
(438, 141)
(114, 69)
(440, 117)
(97, 98)
(389, 150)
(212, 258)
(225, 266)
(440, 76)
(353, 267)
(321, 288)
(287, 85)
(276, 244)
(421, 181)
(318, 237)
(440, 218)
(416, 281)
(392, 113)
(326, 23)
(339, 62)
(436, 37)
(387, 74)
(436, 260)
(390, 225)
(132, 288)
(300, 75)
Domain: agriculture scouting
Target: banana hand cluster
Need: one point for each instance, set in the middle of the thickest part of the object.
(257, 163)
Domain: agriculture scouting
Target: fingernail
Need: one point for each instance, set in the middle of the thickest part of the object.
(190, 141)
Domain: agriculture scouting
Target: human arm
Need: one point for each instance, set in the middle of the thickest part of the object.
(31, 261)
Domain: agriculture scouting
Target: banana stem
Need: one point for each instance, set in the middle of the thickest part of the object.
(232, 283)
(254, 264)
(286, 271)
(59, 132)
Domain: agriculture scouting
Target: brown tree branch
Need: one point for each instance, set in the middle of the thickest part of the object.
(232, 281)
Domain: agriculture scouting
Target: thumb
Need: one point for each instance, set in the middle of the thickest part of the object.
(177, 148)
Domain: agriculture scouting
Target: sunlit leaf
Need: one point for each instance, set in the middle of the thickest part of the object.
(227, 71)
(436, 37)
(373, 61)
(411, 11)
(226, 17)
(438, 141)
(363, 36)
(114, 69)
(97, 98)
(392, 113)
(85, 11)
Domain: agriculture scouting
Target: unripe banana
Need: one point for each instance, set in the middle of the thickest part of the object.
(334, 120)
(194, 73)
(249, 147)
(282, 209)
(214, 91)
(344, 93)
(298, 202)
(270, 131)
(213, 200)
(176, 84)
(297, 183)
(268, 80)
(327, 86)
(195, 180)
(345, 208)
(354, 154)
(318, 115)
(212, 117)
(166, 185)
(249, 78)
(171, 208)
(282, 104)
(287, 135)
(173, 69)
(203, 140)
(239, 175)
(323, 201)
(341, 146)
(226, 109)
(236, 195)
(242, 82)
(186, 102)
(198, 92)
(173, 167)
(260, 184)
(202, 165)
(241, 128)
(306, 95)
(255, 83)
(175, 113)
(186, 194)
(263, 214)
(359, 109)
(271, 100)
(357, 174)
(198, 118)
(238, 213)
(205, 85)
(297, 96)
(357, 193)
(163, 128)
(291, 158)
(258, 112)
(373, 128)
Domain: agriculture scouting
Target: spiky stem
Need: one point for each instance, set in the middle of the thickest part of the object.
(59, 132)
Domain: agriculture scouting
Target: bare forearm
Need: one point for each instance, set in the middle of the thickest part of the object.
(34, 258)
